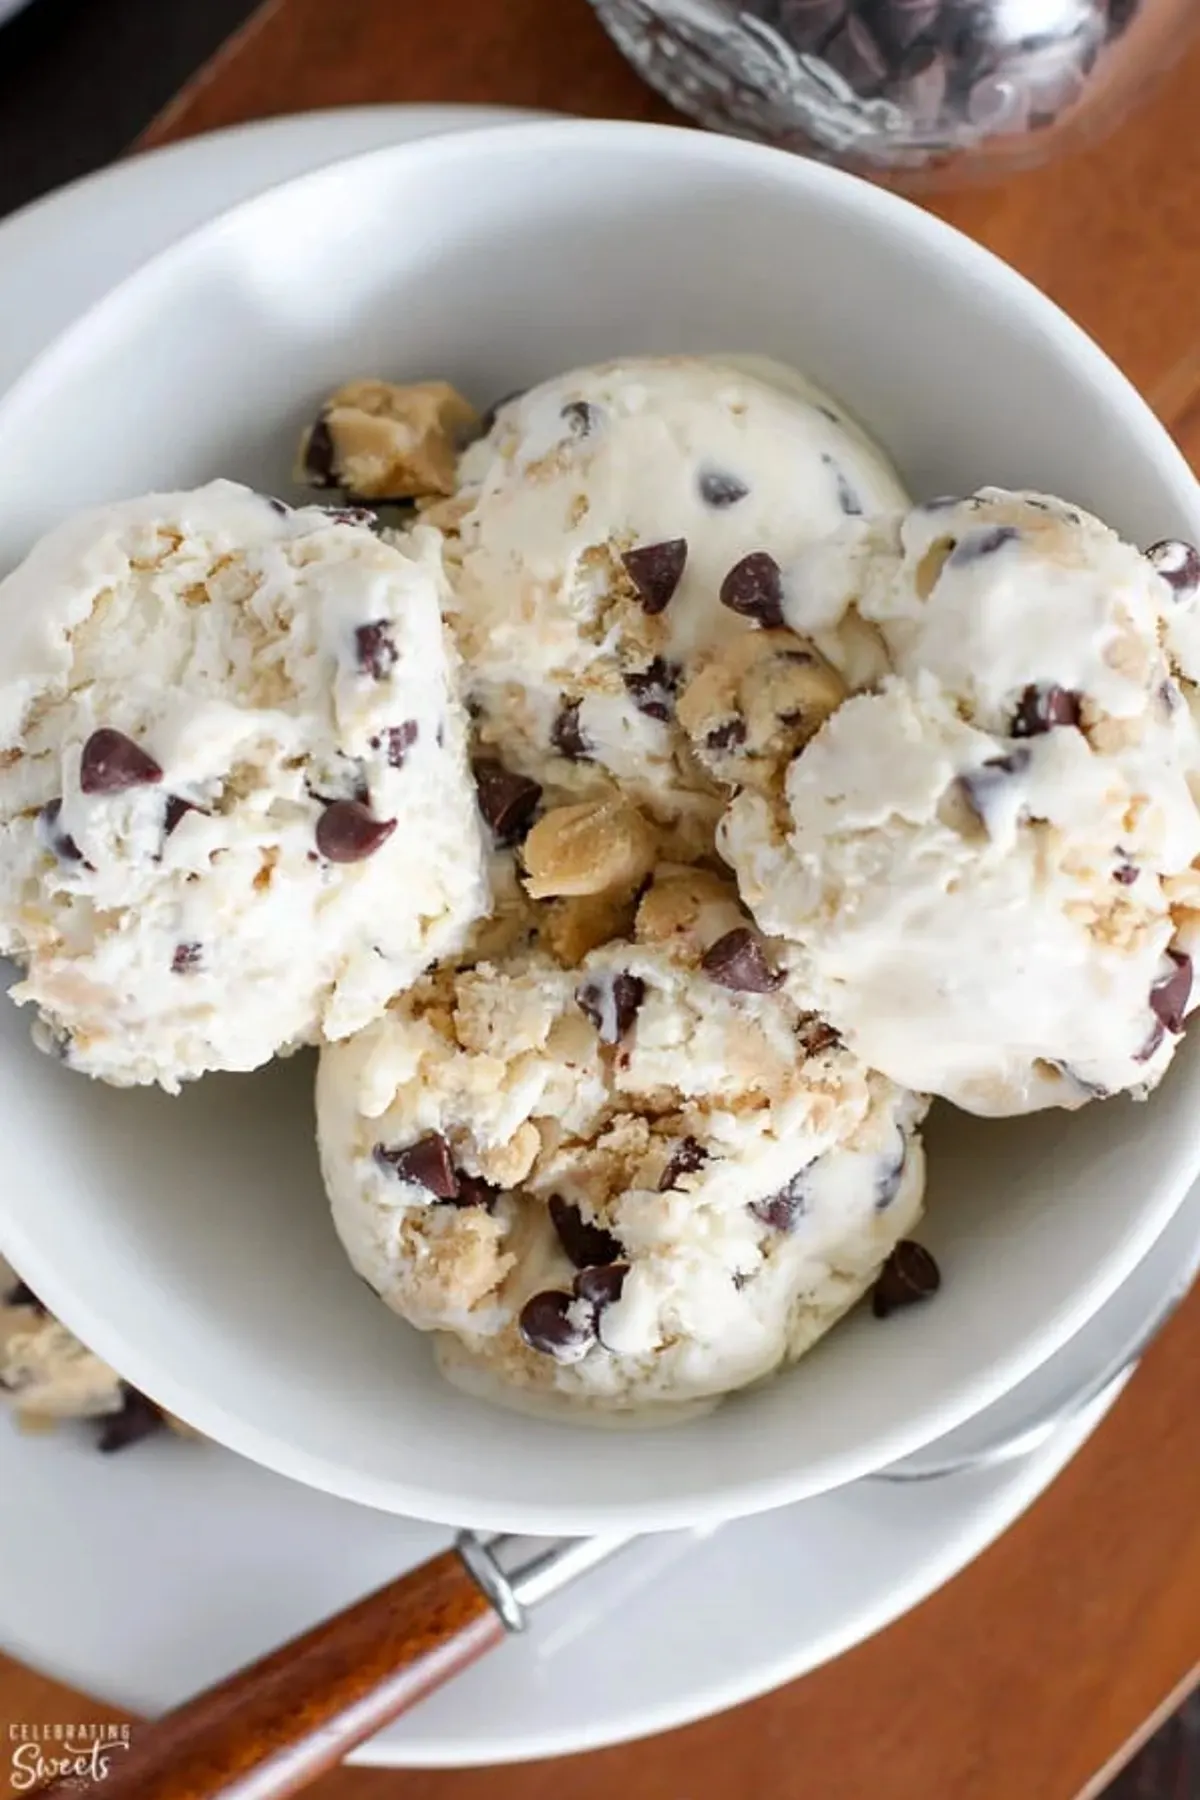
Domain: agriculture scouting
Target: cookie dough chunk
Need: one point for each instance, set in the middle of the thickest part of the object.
(648, 1180)
(236, 813)
(380, 441)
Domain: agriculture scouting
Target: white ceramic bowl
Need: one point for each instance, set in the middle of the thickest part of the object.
(188, 1240)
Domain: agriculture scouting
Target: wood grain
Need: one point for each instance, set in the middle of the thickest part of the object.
(1037, 1668)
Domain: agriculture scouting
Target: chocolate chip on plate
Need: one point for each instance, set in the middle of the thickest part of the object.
(719, 489)
(427, 1163)
(507, 801)
(375, 649)
(558, 1325)
(398, 740)
(1040, 709)
(753, 589)
(653, 688)
(1171, 992)
(782, 1209)
(59, 842)
(138, 1418)
(1178, 564)
(111, 763)
(909, 1275)
(320, 456)
(186, 958)
(985, 542)
(587, 1245)
(582, 417)
(656, 571)
(737, 961)
(685, 1159)
(611, 1003)
(566, 734)
(349, 832)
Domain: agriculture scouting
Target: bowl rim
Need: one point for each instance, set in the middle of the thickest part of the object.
(934, 243)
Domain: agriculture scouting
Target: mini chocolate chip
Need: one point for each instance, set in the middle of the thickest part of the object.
(1170, 994)
(728, 736)
(909, 1274)
(847, 499)
(473, 1190)
(685, 1159)
(507, 801)
(186, 958)
(488, 418)
(566, 735)
(781, 1210)
(427, 1163)
(138, 1418)
(611, 1003)
(601, 1287)
(1040, 709)
(586, 1244)
(348, 832)
(176, 809)
(816, 1035)
(399, 740)
(582, 417)
(890, 1176)
(1178, 564)
(737, 961)
(320, 456)
(978, 544)
(720, 489)
(375, 649)
(656, 571)
(1125, 872)
(753, 589)
(111, 763)
(653, 688)
(558, 1325)
(59, 842)
(23, 1295)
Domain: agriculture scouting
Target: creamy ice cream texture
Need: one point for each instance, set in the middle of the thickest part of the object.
(647, 1180)
(236, 813)
(987, 858)
(612, 528)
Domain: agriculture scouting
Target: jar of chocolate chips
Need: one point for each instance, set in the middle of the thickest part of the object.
(942, 89)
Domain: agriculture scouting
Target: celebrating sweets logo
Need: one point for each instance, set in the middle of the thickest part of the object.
(71, 1754)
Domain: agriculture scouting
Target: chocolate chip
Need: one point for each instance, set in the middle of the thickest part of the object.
(427, 1163)
(656, 571)
(980, 787)
(176, 809)
(348, 832)
(507, 801)
(399, 740)
(854, 55)
(1040, 709)
(1125, 872)
(727, 736)
(587, 1245)
(558, 1325)
(753, 589)
(355, 515)
(566, 736)
(1178, 564)
(737, 961)
(277, 506)
(582, 417)
(847, 499)
(473, 1190)
(782, 1210)
(320, 456)
(816, 1035)
(60, 843)
(685, 1159)
(653, 688)
(1171, 992)
(375, 649)
(601, 1288)
(978, 544)
(719, 489)
(611, 1003)
(488, 418)
(186, 958)
(138, 1418)
(909, 1274)
(23, 1295)
(111, 763)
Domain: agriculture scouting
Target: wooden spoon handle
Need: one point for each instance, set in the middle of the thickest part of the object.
(278, 1724)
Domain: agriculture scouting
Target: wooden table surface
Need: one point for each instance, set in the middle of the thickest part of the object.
(1037, 1671)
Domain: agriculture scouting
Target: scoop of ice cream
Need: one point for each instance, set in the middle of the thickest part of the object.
(235, 807)
(645, 1181)
(986, 859)
(614, 526)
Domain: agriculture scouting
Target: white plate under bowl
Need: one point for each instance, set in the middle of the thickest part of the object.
(188, 1239)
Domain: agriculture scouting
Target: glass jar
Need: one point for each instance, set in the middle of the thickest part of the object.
(940, 89)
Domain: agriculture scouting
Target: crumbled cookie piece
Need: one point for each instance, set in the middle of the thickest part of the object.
(756, 703)
(381, 441)
(588, 849)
